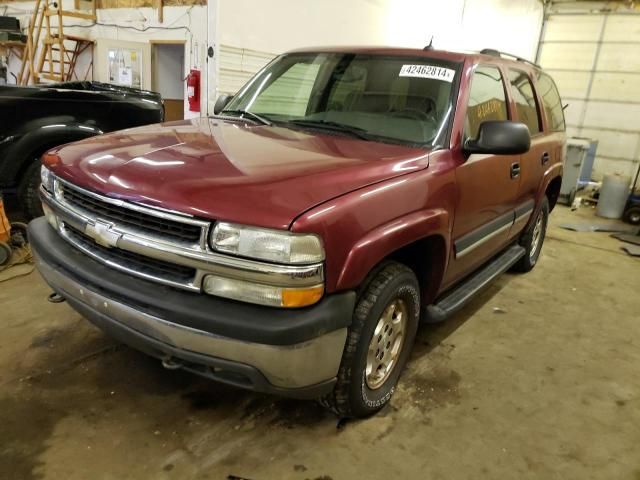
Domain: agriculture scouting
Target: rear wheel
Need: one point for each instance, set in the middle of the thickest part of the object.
(533, 238)
(28, 190)
(379, 343)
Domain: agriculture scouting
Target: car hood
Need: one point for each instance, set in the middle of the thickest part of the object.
(215, 169)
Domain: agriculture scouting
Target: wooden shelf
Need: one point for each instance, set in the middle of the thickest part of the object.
(12, 44)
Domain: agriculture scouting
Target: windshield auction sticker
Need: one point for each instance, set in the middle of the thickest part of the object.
(428, 71)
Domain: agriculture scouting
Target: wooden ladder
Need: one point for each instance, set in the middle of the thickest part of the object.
(57, 53)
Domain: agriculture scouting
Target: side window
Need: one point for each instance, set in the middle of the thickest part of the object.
(522, 92)
(551, 102)
(289, 94)
(486, 100)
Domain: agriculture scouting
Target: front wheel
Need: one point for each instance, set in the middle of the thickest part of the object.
(380, 339)
(533, 238)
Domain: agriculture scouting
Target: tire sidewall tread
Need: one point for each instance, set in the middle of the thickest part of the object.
(526, 263)
(351, 396)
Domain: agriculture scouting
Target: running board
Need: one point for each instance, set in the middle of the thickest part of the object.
(464, 292)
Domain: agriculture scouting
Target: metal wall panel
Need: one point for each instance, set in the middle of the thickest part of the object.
(595, 59)
(574, 110)
(236, 66)
(616, 144)
(620, 87)
(619, 57)
(612, 116)
(622, 28)
(572, 28)
(569, 56)
(572, 84)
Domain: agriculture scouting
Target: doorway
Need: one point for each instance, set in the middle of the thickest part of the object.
(167, 76)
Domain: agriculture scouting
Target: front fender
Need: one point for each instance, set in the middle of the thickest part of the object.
(25, 147)
(361, 228)
(386, 239)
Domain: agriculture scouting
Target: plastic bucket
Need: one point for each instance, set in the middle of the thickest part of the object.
(613, 196)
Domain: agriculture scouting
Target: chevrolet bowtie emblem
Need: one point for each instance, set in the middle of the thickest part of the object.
(102, 234)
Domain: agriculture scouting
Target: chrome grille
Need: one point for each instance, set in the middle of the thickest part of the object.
(146, 266)
(155, 244)
(137, 221)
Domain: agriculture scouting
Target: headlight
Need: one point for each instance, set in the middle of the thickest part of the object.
(270, 295)
(265, 244)
(46, 177)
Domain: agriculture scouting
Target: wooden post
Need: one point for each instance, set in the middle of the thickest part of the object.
(159, 6)
(60, 42)
(28, 58)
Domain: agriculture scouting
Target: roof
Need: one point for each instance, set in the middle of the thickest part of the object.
(484, 55)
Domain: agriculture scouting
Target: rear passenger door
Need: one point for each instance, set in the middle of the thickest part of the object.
(527, 110)
(487, 188)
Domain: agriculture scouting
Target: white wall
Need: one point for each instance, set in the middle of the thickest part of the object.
(254, 31)
(512, 26)
(280, 25)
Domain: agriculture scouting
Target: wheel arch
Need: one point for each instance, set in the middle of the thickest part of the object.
(38, 141)
(426, 257)
(419, 241)
(553, 191)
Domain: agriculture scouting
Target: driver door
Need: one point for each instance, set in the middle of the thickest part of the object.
(487, 184)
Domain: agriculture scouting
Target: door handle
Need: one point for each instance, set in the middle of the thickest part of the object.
(545, 157)
(515, 170)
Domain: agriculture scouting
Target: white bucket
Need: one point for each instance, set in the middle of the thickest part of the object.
(613, 196)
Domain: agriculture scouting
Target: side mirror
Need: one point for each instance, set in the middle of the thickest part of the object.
(500, 138)
(221, 102)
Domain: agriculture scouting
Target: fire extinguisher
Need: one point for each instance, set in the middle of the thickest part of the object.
(193, 90)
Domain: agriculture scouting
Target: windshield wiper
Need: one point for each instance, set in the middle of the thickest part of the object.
(333, 126)
(253, 116)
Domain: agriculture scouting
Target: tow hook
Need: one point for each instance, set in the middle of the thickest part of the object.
(171, 363)
(55, 298)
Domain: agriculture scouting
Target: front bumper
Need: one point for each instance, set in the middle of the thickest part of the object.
(295, 353)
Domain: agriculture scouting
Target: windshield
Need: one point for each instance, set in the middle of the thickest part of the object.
(377, 97)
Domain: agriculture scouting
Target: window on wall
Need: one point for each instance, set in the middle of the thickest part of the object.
(526, 107)
(551, 102)
(487, 100)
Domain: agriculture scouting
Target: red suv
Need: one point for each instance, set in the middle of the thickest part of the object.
(292, 242)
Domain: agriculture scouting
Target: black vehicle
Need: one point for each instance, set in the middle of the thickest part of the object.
(35, 119)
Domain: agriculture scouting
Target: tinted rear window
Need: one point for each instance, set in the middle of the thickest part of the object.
(526, 106)
(551, 102)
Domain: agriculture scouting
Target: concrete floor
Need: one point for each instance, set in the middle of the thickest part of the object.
(538, 378)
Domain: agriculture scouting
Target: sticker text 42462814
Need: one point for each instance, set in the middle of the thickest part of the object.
(428, 71)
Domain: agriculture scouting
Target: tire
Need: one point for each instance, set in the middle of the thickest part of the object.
(632, 215)
(533, 238)
(28, 191)
(394, 291)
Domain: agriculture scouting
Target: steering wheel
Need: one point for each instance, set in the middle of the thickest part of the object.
(413, 113)
(426, 115)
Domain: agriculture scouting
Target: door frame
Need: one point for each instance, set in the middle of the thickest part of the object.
(154, 43)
